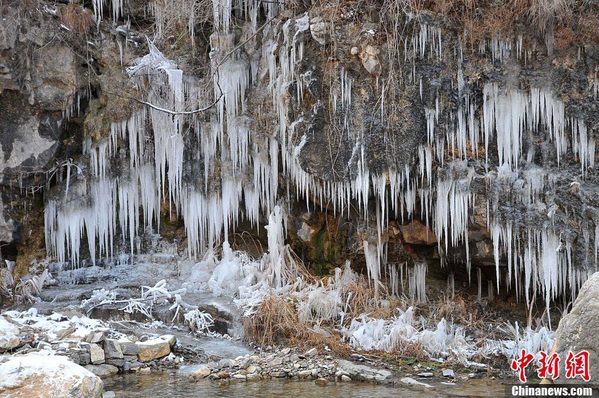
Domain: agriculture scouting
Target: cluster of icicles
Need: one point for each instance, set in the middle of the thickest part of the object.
(238, 169)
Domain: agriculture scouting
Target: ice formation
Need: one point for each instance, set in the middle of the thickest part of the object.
(394, 334)
(212, 170)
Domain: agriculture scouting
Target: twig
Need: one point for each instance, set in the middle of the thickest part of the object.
(175, 112)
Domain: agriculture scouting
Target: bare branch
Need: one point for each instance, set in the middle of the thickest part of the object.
(176, 112)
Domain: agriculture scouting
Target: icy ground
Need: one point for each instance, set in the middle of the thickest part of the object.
(235, 284)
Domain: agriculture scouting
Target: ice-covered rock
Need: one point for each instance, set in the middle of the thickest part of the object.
(47, 376)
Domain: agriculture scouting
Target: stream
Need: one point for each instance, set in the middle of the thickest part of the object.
(175, 386)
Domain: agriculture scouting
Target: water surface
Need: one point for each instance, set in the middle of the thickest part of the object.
(175, 386)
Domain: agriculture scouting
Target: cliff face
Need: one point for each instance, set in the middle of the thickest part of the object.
(391, 134)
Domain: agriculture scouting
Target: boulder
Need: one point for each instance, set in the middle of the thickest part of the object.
(577, 330)
(153, 349)
(47, 376)
(9, 335)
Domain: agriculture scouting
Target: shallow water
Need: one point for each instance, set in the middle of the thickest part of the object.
(174, 386)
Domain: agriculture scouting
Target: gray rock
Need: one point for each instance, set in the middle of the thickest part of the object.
(577, 331)
(112, 349)
(425, 374)
(103, 370)
(95, 337)
(118, 362)
(129, 348)
(449, 373)
(363, 372)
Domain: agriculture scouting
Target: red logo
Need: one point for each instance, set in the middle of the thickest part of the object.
(549, 366)
(576, 365)
(521, 364)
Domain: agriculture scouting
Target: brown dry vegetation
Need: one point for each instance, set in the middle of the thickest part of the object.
(478, 20)
(276, 321)
(77, 18)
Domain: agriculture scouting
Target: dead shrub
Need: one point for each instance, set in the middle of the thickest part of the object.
(276, 322)
(77, 18)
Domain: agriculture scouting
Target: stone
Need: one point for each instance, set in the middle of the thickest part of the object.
(425, 374)
(306, 232)
(103, 370)
(223, 375)
(9, 335)
(128, 347)
(169, 338)
(238, 376)
(304, 374)
(109, 394)
(311, 353)
(253, 377)
(449, 373)
(112, 349)
(153, 349)
(577, 331)
(319, 30)
(363, 372)
(47, 376)
(321, 382)
(201, 373)
(277, 361)
(95, 337)
(118, 362)
(96, 354)
(345, 378)
(411, 382)
(252, 369)
(416, 233)
(370, 60)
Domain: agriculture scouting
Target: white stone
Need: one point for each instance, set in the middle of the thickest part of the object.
(9, 335)
(41, 375)
(96, 354)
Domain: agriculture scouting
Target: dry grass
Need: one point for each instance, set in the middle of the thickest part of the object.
(77, 18)
(276, 322)
(492, 18)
